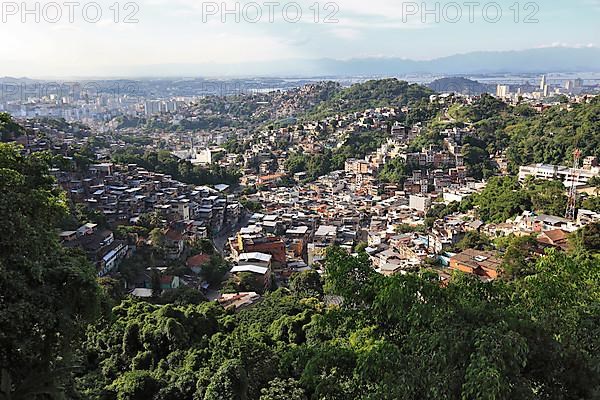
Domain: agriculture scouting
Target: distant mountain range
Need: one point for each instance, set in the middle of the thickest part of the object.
(533, 61)
(551, 59)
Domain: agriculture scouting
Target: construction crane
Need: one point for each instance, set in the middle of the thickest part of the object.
(572, 203)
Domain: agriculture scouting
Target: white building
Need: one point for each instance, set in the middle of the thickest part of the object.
(502, 91)
(419, 203)
(565, 174)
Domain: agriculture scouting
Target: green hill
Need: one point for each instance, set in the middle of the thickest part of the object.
(371, 94)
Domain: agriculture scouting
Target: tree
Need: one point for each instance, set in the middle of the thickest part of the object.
(502, 199)
(157, 237)
(164, 162)
(595, 183)
(182, 296)
(587, 239)
(280, 389)
(9, 129)
(135, 385)
(394, 171)
(202, 246)
(591, 203)
(360, 247)
(128, 232)
(155, 283)
(482, 340)
(215, 270)
(158, 241)
(249, 282)
(49, 294)
(547, 197)
(229, 383)
(477, 161)
(517, 261)
(94, 216)
(474, 240)
(440, 211)
(112, 293)
(150, 221)
(307, 284)
(252, 206)
(348, 276)
(370, 94)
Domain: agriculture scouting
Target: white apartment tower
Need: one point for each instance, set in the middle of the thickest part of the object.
(502, 91)
(543, 83)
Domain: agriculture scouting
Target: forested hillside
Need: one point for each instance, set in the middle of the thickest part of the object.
(403, 337)
(371, 94)
(529, 136)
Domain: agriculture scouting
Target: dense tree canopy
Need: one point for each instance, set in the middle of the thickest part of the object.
(47, 293)
(357, 145)
(523, 134)
(394, 171)
(529, 137)
(504, 198)
(402, 337)
(370, 94)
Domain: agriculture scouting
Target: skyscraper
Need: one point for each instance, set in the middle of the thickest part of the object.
(502, 91)
(569, 85)
(543, 82)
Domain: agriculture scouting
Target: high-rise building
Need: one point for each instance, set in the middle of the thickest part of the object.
(543, 82)
(171, 106)
(569, 85)
(502, 91)
(152, 107)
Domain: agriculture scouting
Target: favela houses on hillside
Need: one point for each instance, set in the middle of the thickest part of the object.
(354, 212)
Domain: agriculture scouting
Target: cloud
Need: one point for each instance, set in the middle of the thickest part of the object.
(567, 45)
(66, 28)
(345, 33)
(384, 23)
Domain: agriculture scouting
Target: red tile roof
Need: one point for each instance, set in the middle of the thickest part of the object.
(173, 235)
(198, 260)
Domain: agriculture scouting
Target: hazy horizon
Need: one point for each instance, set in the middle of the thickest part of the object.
(119, 39)
(549, 60)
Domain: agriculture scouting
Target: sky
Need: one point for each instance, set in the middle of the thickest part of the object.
(90, 38)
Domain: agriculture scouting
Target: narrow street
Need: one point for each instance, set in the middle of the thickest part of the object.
(220, 240)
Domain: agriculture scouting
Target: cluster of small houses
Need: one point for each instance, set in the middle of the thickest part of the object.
(298, 224)
(336, 210)
(296, 227)
(432, 170)
(124, 193)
